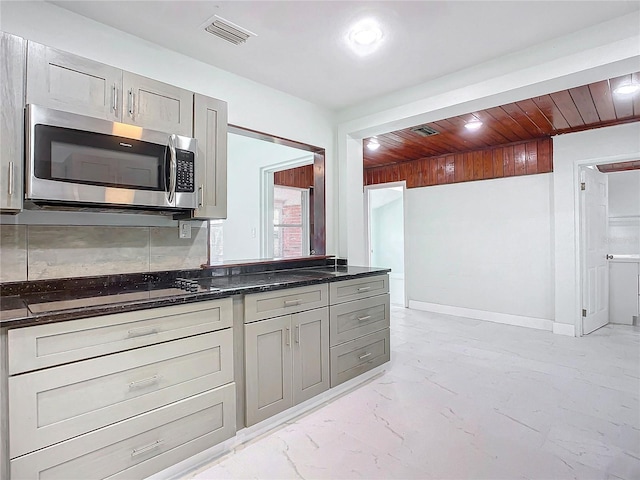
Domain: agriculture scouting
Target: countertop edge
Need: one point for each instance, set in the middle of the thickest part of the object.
(84, 312)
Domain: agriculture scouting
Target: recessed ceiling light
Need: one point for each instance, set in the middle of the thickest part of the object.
(365, 36)
(627, 89)
(373, 144)
(473, 125)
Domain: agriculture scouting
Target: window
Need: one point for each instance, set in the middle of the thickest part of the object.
(290, 222)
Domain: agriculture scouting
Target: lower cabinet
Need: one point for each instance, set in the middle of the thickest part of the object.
(286, 362)
(121, 396)
(353, 358)
(359, 314)
(140, 446)
(624, 292)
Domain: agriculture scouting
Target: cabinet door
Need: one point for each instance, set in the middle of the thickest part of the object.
(71, 83)
(210, 129)
(55, 404)
(268, 368)
(12, 63)
(310, 353)
(156, 105)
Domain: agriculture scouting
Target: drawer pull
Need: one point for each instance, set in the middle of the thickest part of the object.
(139, 451)
(145, 382)
(362, 357)
(287, 337)
(142, 331)
(130, 103)
(114, 98)
(362, 319)
(297, 333)
(290, 303)
(364, 289)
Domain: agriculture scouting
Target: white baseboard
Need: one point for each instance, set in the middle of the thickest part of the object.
(564, 329)
(200, 461)
(506, 318)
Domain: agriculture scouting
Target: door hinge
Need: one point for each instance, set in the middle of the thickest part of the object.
(584, 312)
(583, 186)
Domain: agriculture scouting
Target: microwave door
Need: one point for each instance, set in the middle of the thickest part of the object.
(171, 170)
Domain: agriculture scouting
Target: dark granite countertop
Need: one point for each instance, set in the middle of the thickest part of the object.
(33, 303)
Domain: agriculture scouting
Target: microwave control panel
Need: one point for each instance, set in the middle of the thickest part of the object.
(185, 173)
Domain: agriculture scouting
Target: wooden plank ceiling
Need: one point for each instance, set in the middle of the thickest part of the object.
(589, 106)
(619, 167)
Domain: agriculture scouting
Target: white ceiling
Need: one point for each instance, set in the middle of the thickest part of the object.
(300, 47)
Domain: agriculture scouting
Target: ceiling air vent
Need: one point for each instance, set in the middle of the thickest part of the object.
(228, 31)
(424, 130)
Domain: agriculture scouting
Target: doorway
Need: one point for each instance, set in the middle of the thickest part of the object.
(610, 245)
(385, 234)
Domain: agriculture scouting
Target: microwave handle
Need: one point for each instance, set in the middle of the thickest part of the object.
(173, 169)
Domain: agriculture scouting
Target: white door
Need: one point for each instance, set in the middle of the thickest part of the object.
(594, 232)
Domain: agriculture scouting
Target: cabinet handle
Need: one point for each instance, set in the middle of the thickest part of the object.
(139, 451)
(290, 303)
(364, 289)
(297, 333)
(130, 103)
(362, 319)
(287, 336)
(114, 98)
(145, 382)
(142, 331)
(362, 357)
(200, 196)
(11, 180)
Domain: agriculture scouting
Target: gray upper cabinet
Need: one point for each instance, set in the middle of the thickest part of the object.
(156, 105)
(210, 128)
(71, 83)
(12, 65)
(64, 81)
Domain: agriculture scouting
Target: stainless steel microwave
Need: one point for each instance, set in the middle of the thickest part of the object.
(77, 160)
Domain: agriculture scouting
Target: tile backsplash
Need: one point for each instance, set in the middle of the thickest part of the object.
(13, 253)
(38, 252)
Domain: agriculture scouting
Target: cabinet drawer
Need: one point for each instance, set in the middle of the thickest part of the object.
(139, 446)
(58, 403)
(351, 320)
(258, 306)
(31, 348)
(357, 356)
(347, 290)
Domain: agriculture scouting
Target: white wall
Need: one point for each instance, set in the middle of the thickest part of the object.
(246, 157)
(624, 193)
(482, 245)
(603, 145)
(599, 52)
(251, 105)
(624, 212)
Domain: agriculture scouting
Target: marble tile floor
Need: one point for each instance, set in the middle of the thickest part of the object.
(467, 399)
